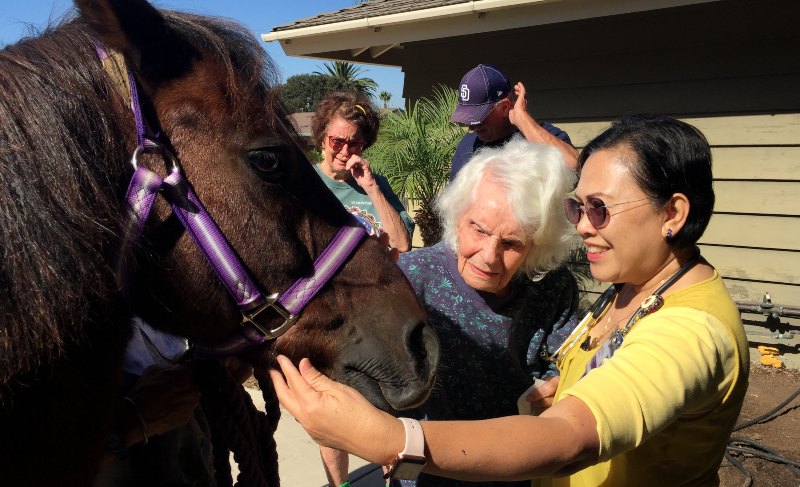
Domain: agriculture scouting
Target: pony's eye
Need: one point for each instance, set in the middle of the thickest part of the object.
(267, 162)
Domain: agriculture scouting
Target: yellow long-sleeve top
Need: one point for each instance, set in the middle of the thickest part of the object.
(667, 400)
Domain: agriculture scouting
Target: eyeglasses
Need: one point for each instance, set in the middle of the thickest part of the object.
(598, 215)
(355, 146)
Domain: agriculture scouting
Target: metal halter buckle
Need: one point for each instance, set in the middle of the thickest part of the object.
(156, 147)
(273, 304)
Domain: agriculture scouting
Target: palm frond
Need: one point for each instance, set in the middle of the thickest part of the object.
(350, 75)
(415, 147)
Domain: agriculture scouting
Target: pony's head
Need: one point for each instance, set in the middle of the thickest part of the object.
(211, 100)
(207, 88)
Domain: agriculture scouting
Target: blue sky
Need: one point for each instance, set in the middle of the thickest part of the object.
(260, 16)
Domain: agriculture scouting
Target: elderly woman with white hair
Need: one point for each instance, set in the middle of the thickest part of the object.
(495, 288)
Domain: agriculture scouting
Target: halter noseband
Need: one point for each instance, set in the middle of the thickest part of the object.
(258, 310)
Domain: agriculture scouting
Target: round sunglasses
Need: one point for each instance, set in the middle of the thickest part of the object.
(597, 214)
(355, 146)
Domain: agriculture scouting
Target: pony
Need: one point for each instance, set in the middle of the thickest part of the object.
(67, 136)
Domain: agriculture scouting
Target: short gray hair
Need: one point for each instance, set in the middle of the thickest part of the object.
(536, 180)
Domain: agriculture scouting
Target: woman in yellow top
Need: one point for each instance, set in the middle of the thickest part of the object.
(651, 381)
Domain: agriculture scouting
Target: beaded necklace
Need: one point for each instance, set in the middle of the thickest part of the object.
(650, 304)
(591, 342)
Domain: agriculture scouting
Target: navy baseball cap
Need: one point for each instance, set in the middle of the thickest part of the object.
(479, 90)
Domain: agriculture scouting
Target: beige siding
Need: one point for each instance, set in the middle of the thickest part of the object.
(416, 239)
(753, 264)
(757, 176)
(757, 163)
(742, 291)
(758, 197)
(746, 130)
(754, 237)
(738, 131)
(582, 132)
(780, 233)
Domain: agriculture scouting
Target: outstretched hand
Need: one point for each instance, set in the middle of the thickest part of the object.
(334, 414)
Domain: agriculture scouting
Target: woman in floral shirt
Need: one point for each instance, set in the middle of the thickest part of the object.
(494, 288)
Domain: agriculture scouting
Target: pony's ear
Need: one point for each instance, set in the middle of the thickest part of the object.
(142, 34)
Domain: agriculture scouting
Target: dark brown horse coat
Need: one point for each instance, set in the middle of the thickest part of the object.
(66, 137)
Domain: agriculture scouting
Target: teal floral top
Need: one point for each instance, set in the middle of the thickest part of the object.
(489, 354)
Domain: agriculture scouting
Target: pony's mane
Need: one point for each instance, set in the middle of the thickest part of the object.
(65, 139)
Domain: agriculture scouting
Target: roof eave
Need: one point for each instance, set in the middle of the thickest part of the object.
(349, 40)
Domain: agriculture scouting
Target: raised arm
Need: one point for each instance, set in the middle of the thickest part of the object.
(391, 220)
(533, 132)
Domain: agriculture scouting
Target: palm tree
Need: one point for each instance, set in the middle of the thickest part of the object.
(350, 75)
(414, 151)
(385, 96)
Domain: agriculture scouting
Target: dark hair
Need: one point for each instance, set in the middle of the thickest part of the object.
(352, 106)
(670, 157)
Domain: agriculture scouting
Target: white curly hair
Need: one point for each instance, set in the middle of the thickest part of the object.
(536, 180)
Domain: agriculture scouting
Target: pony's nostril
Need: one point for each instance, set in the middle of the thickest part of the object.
(415, 339)
(423, 346)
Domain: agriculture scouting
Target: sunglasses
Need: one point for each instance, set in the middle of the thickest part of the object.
(337, 143)
(598, 215)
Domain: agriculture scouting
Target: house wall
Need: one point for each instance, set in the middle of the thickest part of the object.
(754, 236)
(716, 58)
(730, 68)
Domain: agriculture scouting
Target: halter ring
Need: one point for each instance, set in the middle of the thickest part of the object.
(155, 147)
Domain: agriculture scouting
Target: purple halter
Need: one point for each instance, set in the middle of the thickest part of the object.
(258, 310)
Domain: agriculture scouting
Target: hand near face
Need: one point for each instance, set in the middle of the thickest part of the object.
(361, 172)
(520, 108)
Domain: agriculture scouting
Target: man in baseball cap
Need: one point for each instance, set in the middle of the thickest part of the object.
(480, 89)
(494, 112)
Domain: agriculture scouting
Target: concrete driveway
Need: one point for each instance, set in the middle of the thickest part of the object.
(298, 456)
